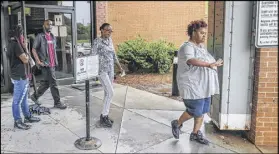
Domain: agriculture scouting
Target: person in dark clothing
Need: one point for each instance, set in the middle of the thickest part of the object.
(20, 70)
(44, 52)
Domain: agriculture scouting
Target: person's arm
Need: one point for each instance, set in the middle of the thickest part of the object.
(116, 59)
(196, 62)
(24, 58)
(189, 53)
(20, 54)
(118, 63)
(94, 50)
(36, 45)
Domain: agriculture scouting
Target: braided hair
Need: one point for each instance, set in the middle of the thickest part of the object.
(16, 31)
(104, 25)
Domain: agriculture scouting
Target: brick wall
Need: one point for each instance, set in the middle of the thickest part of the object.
(264, 122)
(151, 20)
(101, 9)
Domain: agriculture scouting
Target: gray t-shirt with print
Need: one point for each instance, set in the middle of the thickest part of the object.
(195, 82)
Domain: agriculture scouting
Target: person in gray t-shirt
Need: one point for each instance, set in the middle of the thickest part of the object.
(197, 80)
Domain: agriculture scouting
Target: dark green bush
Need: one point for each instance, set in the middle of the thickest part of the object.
(143, 56)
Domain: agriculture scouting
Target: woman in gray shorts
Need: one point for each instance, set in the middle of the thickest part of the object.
(103, 46)
(197, 80)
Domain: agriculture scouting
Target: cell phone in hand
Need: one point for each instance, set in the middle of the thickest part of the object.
(122, 74)
(219, 61)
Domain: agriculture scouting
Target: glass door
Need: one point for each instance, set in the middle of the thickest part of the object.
(63, 29)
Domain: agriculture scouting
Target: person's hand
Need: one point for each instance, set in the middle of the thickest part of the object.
(24, 45)
(122, 73)
(40, 63)
(219, 62)
(216, 64)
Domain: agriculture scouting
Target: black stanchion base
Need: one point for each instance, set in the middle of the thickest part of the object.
(91, 144)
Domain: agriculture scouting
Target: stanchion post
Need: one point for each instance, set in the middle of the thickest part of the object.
(87, 105)
(88, 142)
(175, 91)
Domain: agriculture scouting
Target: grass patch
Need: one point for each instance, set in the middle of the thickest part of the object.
(83, 41)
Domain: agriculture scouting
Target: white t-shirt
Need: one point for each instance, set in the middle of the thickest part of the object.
(196, 82)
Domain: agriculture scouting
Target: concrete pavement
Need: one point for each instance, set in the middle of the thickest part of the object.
(141, 125)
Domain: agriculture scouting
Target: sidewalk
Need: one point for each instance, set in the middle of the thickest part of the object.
(141, 125)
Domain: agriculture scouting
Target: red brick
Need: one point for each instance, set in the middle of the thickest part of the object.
(275, 143)
(264, 80)
(268, 114)
(263, 74)
(274, 138)
(267, 49)
(267, 138)
(259, 142)
(259, 133)
(268, 124)
(261, 124)
(261, 95)
(263, 64)
(274, 129)
(265, 110)
(263, 129)
(260, 114)
(263, 54)
(275, 75)
(262, 85)
(271, 134)
(275, 54)
(264, 119)
(259, 138)
(266, 100)
(266, 90)
(268, 69)
(269, 59)
(271, 94)
(271, 84)
(272, 64)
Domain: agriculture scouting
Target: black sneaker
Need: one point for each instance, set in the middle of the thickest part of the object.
(60, 106)
(175, 129)
(199, 138)
(34, 99)
(108, 118)
(20, 125)
(31, 119)
(105, 122)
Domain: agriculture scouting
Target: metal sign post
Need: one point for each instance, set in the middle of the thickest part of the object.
(88, 142)
(175, 91)
(89, 71)
(87, 68)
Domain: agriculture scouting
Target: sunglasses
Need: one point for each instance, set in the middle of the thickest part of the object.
(108, 30)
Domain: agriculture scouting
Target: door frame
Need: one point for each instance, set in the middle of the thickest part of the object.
(74, 36)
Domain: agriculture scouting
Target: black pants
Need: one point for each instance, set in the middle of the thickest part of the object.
(49, 81)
